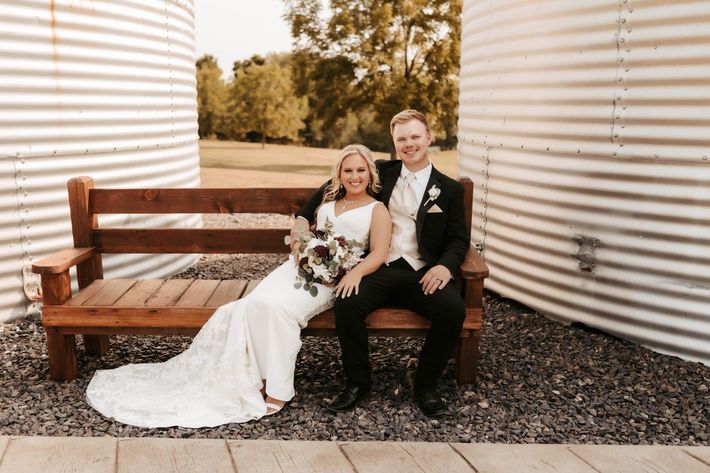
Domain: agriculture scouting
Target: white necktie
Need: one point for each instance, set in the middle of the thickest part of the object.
(410, 197)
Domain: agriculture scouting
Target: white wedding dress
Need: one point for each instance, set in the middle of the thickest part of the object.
(217, 379)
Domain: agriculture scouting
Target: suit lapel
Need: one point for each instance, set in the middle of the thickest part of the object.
(389, 179)
(426, 203)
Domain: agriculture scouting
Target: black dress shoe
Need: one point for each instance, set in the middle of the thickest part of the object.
(346, 399)
(430, 402)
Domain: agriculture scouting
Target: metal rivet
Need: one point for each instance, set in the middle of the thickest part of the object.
(655, 155)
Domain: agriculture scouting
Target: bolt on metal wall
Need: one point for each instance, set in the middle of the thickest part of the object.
(104, 89)
(586, 129)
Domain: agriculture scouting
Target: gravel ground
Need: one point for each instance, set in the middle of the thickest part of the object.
(539, 382)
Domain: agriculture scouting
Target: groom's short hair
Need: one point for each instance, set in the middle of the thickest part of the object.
(406, 115)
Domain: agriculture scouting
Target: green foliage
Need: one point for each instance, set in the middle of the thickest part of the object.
(211, 96)
(377, 56)
(262, 101)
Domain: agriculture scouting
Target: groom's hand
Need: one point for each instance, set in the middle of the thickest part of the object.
(435, 279)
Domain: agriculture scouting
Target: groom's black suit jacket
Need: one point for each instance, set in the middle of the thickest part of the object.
(441, 236)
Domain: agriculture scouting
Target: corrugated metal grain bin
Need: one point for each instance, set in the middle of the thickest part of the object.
(586, 128)
(105, 89)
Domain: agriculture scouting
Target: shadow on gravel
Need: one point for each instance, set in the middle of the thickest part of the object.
(539, 381)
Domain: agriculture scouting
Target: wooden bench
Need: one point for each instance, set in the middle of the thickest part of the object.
(104, 307)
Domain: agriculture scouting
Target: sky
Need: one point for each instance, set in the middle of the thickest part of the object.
(237, 29)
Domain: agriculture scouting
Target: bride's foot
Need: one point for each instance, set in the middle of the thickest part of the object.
(273, 405)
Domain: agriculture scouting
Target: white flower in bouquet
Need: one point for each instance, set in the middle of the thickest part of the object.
(324, 258)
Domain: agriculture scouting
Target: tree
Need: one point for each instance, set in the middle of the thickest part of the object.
(211, 96)
(263, 101)
(378, 54)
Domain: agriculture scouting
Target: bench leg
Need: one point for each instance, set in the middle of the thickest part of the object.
(467, 359)
(61, 350)
(96, 345)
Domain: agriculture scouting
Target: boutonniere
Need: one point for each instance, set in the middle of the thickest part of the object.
(433, 194)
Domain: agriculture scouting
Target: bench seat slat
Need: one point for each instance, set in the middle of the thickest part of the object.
(140, 292)
(198, 293)
(227, 291)
(110, 293)
(84, 294)
(169, 293)
(251, 286)
(190, 240)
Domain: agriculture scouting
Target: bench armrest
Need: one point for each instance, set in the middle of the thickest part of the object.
(473, 266)
(63, 260)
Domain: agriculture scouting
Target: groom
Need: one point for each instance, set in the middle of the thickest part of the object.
(429, 243)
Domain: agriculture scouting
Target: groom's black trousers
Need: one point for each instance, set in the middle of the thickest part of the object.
(398, 284)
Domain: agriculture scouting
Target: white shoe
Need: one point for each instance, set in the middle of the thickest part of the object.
(272, 409)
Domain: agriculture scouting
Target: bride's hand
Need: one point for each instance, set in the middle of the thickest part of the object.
(349, 283)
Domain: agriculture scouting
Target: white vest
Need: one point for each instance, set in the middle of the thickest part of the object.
(404, 230)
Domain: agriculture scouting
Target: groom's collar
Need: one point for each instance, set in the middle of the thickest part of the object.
(422, 175)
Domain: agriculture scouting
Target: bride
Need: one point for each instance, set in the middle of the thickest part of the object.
(240, 366)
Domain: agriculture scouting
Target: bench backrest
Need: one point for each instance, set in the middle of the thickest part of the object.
(86, 203)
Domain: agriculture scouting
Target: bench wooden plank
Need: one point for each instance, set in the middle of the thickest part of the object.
(84, 294)
(227, 291)
(198, 293)
(392, 318)
(63, 260)
(253, 200)
(115, 317)
(190, 240)
(169, 293)
(195, 317)
(140, 292)
(173, 456)
(110, 293)
(251, 286)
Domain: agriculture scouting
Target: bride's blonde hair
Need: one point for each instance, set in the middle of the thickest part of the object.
(335, 190)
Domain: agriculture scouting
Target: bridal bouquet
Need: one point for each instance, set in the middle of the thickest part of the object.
(324, 258)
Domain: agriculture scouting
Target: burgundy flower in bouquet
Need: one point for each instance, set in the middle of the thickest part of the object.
(324, 258)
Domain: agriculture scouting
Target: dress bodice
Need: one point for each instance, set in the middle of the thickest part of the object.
(352, 224)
